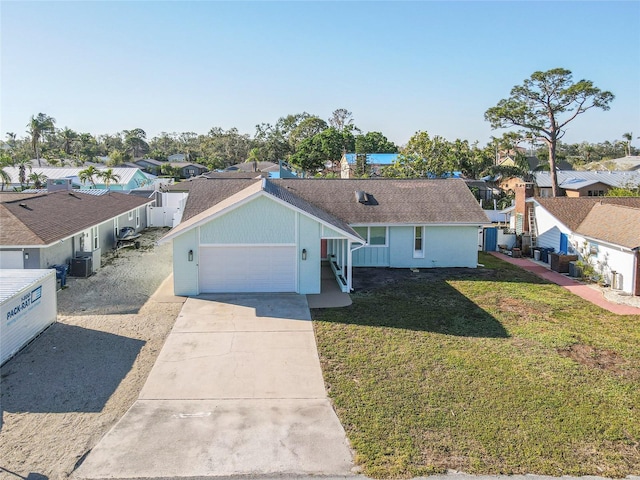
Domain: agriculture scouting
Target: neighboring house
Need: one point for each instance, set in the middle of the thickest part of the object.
(578, 183)
(188, 169)
(602, 231)
(374, 163)
(46, 229)
(129, 178)
(271, 235)
(150, 165)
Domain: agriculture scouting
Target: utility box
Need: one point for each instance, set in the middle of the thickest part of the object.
(28, 305)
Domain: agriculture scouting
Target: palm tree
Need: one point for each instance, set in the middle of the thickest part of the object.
(89, 174)
(38, 179)
(22, 166)
(5, 178)
(68, 137)
(39, 126)
(628, 137)
(108, 177)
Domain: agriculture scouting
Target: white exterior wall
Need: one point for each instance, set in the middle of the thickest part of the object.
(549, 229)
(606, 259)
(28, 306)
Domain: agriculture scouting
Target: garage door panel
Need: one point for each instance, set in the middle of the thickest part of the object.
(247, 269)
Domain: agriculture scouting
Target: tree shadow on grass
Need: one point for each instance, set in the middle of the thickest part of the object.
(433, 306)
(67, 369)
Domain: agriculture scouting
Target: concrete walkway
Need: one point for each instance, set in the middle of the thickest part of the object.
(585, 291)
(331, 295)
(237, 390)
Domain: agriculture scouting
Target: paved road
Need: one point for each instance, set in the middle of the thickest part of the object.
(237, 390)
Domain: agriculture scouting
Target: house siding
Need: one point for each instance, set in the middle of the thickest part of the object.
(261, 221)
(309, 279)
(451, 246)
(185, 273)
(371, 257)
(549, 229)
(606, 260)
(446, 246)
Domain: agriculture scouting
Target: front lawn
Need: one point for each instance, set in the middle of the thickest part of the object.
(488, 372)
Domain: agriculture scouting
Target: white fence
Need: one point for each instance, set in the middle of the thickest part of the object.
(164, 216)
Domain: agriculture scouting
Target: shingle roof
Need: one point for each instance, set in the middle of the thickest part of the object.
(417, 201)
(614, 224)
(571, 211)
(44, 219)
(255, 188)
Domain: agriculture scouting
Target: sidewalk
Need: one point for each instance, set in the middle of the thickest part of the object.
(585, 291)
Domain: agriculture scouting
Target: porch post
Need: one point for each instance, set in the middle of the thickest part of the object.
(349, 263)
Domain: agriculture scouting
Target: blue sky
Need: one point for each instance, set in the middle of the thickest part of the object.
(400, 67)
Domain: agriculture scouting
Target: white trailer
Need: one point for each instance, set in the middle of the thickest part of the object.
(28, 305)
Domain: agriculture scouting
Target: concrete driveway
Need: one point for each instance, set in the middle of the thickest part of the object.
(237, 390)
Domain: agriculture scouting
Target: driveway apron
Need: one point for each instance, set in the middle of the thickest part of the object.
(237, 390)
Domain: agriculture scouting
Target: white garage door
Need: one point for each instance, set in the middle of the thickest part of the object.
(247, 269)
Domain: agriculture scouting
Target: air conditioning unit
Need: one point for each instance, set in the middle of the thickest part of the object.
(81, 267)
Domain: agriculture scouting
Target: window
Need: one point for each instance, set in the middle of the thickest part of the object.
(137, 217)
(131, 215)
(378, 236)
(375, 236)
(94, 236)
(418, 242)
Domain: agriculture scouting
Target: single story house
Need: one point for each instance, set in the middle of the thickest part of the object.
(189, 169)
(271, 235)
(149, 165)
(604, 232)
(585, 183)
(128, 178)
(45, 229)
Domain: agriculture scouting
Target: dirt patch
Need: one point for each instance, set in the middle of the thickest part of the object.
(599, 358)
(369, 279)
(63, 392)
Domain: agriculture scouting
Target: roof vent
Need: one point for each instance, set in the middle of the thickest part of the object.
(361, 197)
(23, 205)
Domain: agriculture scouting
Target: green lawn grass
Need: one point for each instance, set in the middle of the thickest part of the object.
(486, 374)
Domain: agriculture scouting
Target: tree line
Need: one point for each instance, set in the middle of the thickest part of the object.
(535, 115)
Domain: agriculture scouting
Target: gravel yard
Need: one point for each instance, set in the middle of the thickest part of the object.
(63, 392)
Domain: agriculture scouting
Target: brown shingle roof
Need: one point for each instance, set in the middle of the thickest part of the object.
(47, 218)
(614, 224)
(572, 211)
(392, 201)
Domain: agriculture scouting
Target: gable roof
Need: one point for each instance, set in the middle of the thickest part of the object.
(48, 218)
(571, 211)
(407, 201)
(615, 224)
(254, 189)
(254, 167)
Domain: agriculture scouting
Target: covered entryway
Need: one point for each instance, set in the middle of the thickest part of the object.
(247, 269)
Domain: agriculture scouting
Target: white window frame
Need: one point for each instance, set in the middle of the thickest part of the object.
(368, 236)
(115, 228)
(418, 253)
(137, 218)
(95, 238)
(130, 214)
